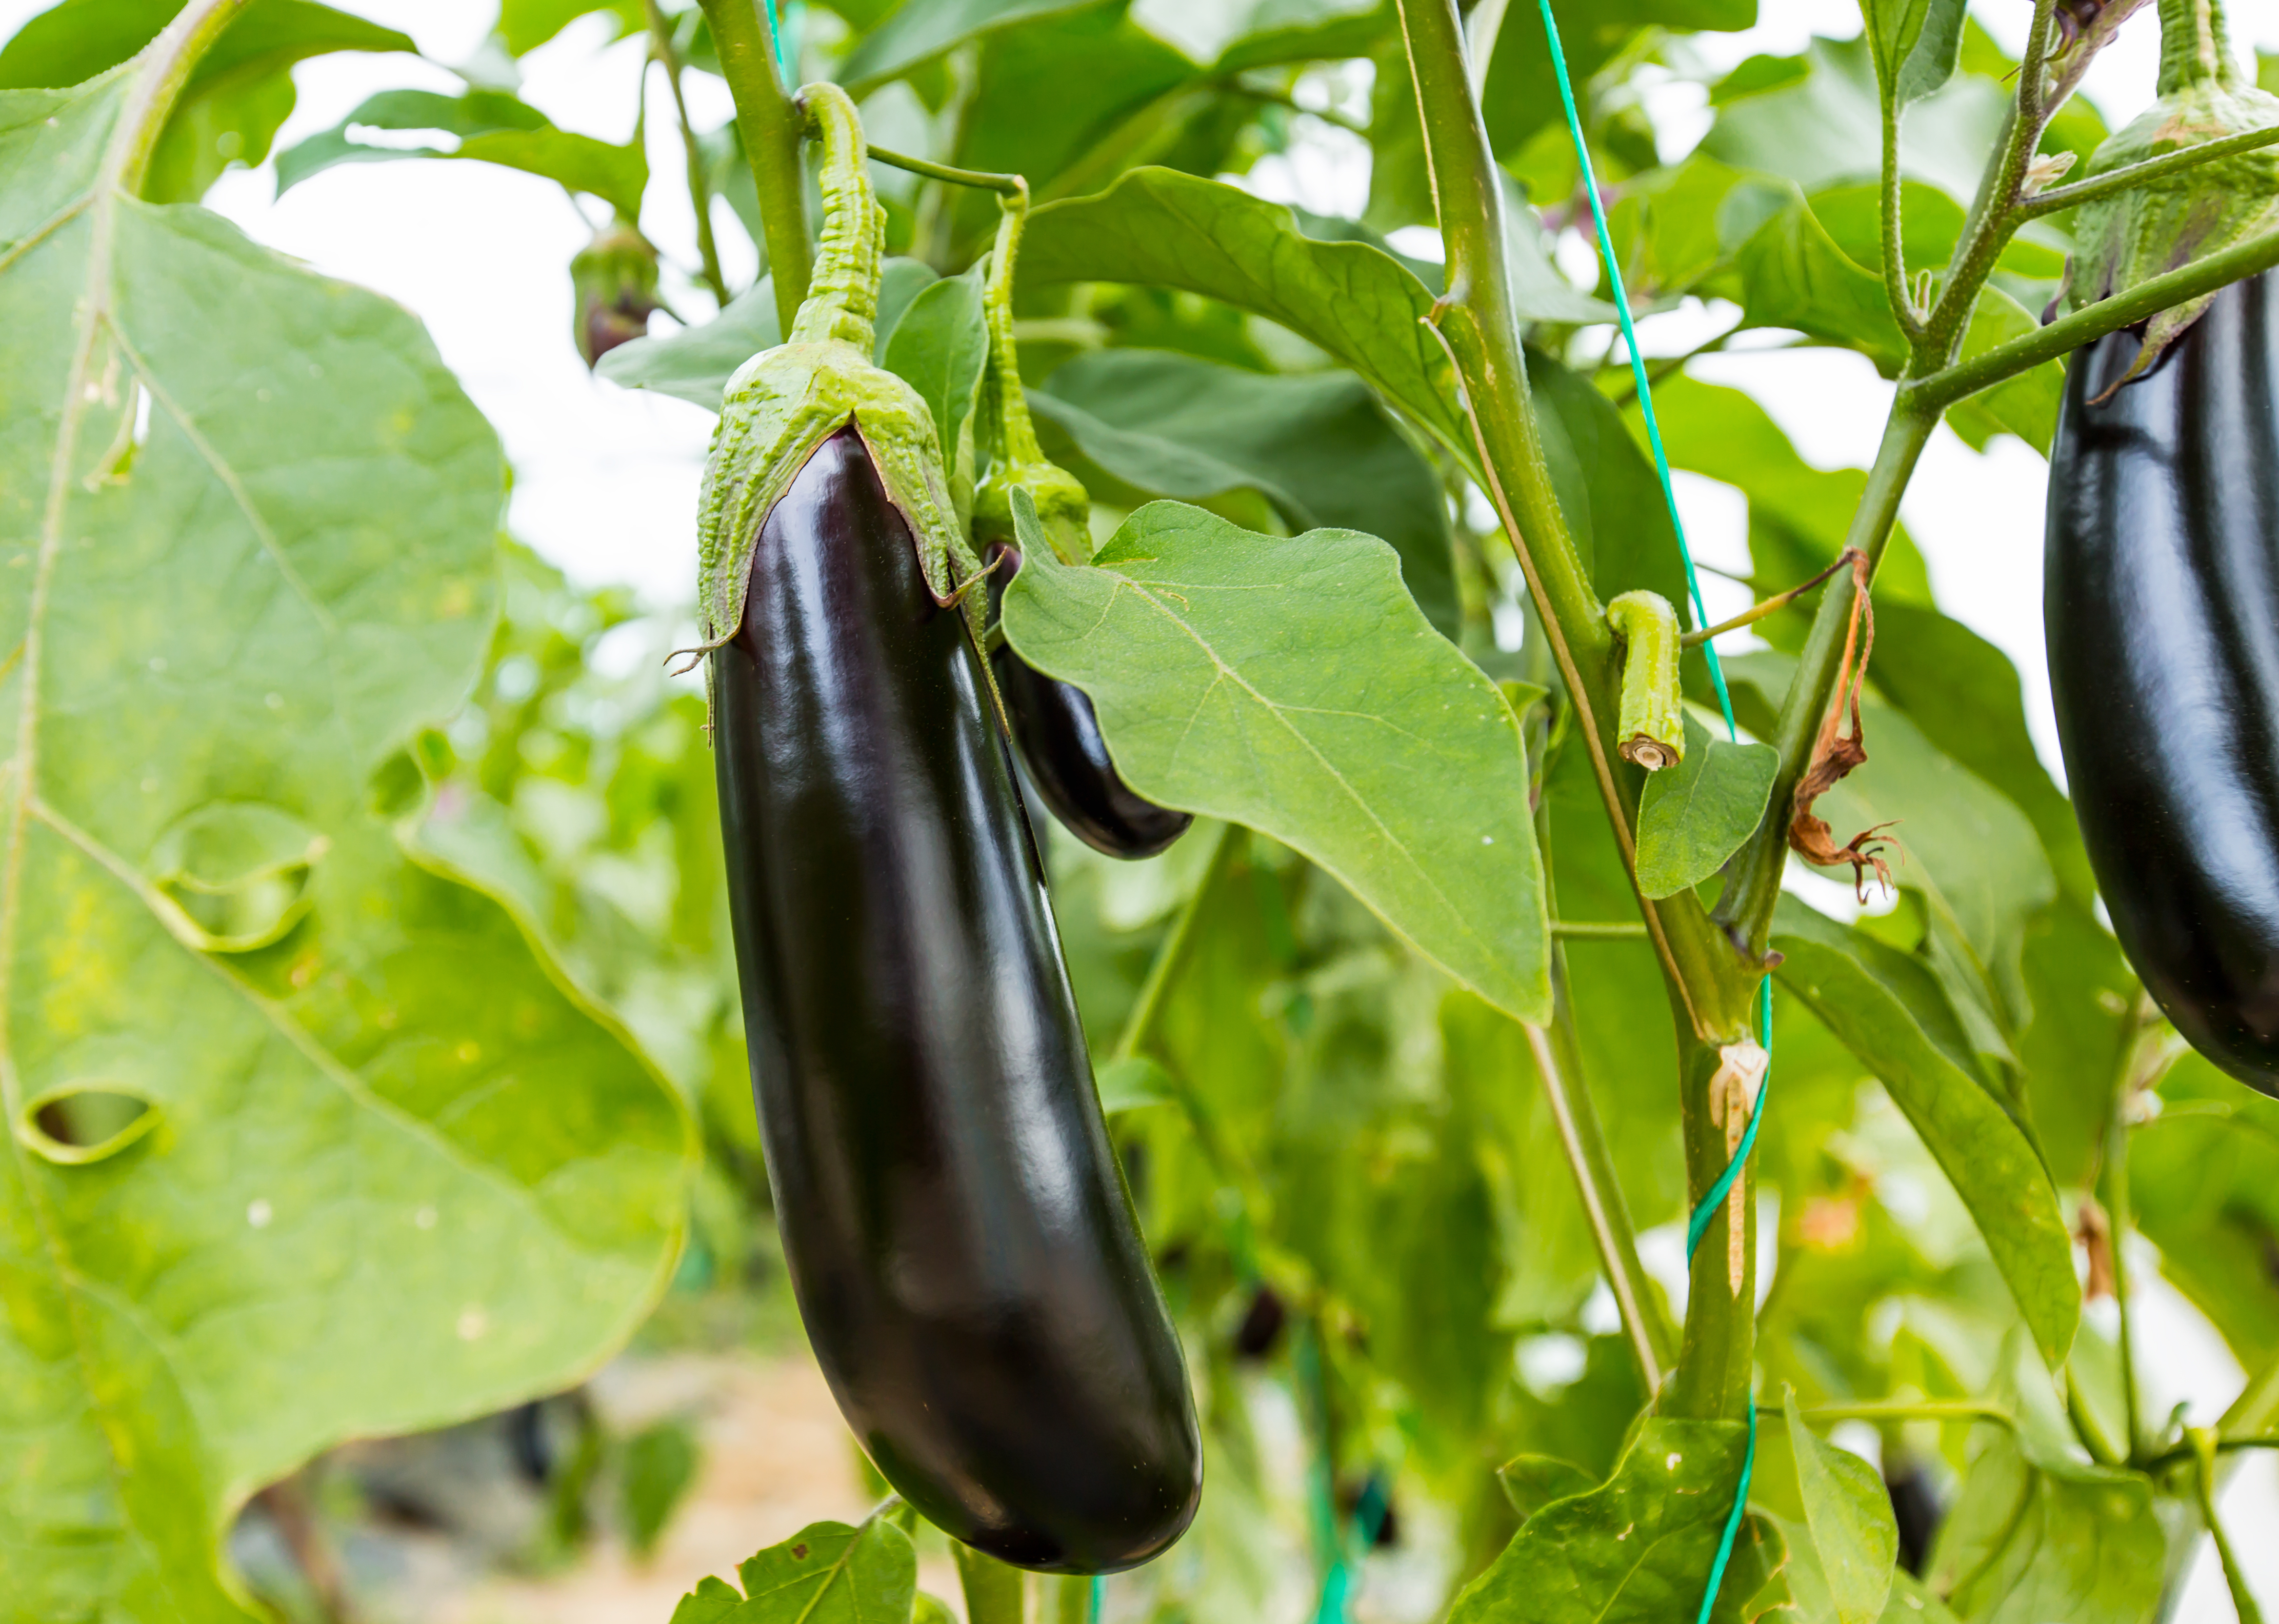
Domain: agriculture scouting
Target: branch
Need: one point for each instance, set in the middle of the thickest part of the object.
(1771, 606)
(1895, 259)
(700, 189)
(2145, 173)
(772, 128)
(1942, 389)
(1009, 186)
(2203, 1443)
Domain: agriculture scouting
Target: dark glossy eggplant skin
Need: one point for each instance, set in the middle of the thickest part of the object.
(1059, 738)
(2161, 605)
(956, 1225)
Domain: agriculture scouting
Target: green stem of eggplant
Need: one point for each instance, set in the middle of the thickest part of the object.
(1177, 948)
(1901, 1410)
(1712, 987)
(2112, 1191)
(772, 129)
(1941, 389)
(2129, 176)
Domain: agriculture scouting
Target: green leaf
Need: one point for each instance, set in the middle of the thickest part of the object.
(1158, 226)
(399, 1175)
(525, 24)
(1849, 1515)
(1317, 446)
(1694, 816)
(241, 91)
(920, 30)
(825, 1573)
(695, 364)
(1891, 1012)
(2031, 1541)
(654, 1475)
(1792, 274)
(939, 347)
(1291, 684)
(1637, 1549)
(2204, 1178)
(1918, 44)
(1607, 488)
(492, 126)
(1134, 1082)
(1532, 1481)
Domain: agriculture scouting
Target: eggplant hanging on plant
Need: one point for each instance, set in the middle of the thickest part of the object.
(956, 1228)
(1053, 721)
(2161, 602)
(2161, 582)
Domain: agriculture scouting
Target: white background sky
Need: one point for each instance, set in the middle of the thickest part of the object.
(605, 479)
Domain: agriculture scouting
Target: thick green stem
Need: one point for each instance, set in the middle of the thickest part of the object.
(771, 125)
(699, 187)
(1754, 877)
(1940, 390)
(995, 1593)
(1474, 319)
(1716, 1355)
(842, 298)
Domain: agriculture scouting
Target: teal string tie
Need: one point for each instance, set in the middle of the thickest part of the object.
(1697, 1223)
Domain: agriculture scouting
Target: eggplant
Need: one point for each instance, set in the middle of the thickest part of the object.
(956, 1224)
(2161, 612)
(1059, 737)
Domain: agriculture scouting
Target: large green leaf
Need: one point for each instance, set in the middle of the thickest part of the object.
(1316, 445)
(240, 93)
(1522, 96)
(921, 30)
(1159, 226)
(393, 1175)
(1292, 684)
(1637, 1549)
(1891, 1013)
(1849, 1518)
(2034, 1537)
(525, 24)
(825, 1573)
(491, 127)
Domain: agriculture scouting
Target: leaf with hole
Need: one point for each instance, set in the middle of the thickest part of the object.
(388, 1174)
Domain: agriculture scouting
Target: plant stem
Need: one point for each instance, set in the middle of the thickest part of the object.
(1941, 389)
(2113, 1181)
(1559, 1060)
(168, 61)
(1179, 947)
(772, 127)
(1902, 1410)
(1752, 886)
(1598, 929)
(1473, 320)
(2086, 1426)
(994, 1592)
(700, 188)
(1769, 606)
(2243, 1599)
(1895, 259)
(2145, 173)
(1010, 186)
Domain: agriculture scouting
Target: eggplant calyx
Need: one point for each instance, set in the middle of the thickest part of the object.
(2164, 224)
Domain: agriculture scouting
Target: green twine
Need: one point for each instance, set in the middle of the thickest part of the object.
(1697, 1223)
(779, 42)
